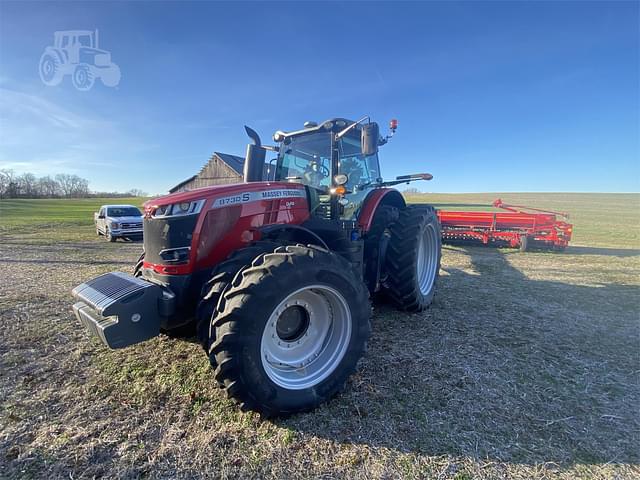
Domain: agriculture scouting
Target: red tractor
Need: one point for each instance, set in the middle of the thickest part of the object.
(275, 276)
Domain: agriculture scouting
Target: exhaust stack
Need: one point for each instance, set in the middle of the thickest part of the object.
(254, 159)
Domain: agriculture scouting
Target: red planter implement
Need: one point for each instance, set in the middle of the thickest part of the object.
(519, 226)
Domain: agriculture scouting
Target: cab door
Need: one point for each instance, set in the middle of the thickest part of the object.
(362, 171)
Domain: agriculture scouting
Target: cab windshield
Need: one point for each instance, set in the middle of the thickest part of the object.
(306, 159)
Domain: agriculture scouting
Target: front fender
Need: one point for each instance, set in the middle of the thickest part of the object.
(291, 232)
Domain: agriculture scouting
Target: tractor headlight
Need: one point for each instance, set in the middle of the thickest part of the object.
(175, 255)
(179, 209)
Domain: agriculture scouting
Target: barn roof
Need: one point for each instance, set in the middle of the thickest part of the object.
(176, 187)
(233, 161)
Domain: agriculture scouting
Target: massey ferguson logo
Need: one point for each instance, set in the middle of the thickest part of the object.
(247, 197)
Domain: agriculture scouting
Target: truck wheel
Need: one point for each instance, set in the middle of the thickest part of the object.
(293, 327)
(108, 236)
(413, 258)
(221, 278)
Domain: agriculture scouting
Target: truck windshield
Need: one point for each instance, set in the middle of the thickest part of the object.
(307, 159)
(123, 212)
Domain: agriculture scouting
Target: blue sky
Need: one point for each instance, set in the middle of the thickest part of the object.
(490, 96)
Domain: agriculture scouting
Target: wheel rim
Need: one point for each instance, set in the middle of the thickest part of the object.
(427, 259)
(81, 77)
(306, 337)
(48, 69)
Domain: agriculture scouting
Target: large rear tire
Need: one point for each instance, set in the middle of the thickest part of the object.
(412, 259)
(377, 239)
(50, 69)
(291, 331)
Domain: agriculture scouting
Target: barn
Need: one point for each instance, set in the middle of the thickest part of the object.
(220, 169)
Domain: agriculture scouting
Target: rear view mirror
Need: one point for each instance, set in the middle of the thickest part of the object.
(370, 138)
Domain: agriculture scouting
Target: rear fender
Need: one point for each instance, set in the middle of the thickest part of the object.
(62, 55)
(380, 196)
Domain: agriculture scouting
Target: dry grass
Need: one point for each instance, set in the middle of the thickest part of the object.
(526, 366)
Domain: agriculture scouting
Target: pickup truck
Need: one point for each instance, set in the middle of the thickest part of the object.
(118, 221)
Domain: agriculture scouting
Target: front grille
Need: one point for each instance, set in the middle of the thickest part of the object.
(131, 225)
(165, 233)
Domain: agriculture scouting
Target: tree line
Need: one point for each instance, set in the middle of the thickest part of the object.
(63, 185)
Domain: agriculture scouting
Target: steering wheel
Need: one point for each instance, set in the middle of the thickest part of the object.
(324, 171)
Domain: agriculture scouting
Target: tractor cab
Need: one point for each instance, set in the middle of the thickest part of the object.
(337, 160)
(79, 38)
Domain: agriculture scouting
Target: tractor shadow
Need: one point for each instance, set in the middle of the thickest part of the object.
(501, 367)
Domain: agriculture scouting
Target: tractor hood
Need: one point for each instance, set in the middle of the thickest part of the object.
(94, 51)
(269, 190)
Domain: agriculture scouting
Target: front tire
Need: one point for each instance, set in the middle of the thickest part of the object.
(82, 77)
(221, 277)
(293, 327)
(413, 258)
(108, 236)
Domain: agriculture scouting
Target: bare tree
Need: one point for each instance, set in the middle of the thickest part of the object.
(66, 183)
(79, 187)
(27, 185)
(7, 178)
(48, 187)
(136, 192)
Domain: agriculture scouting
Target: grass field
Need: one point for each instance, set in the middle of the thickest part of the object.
(526, 366)
(54, 219)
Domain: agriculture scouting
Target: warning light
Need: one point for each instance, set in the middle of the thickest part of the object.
(393, 124)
